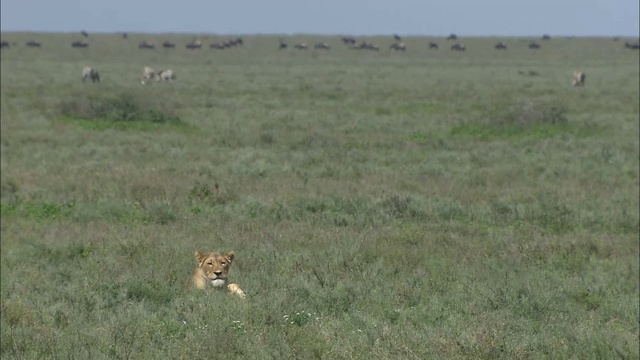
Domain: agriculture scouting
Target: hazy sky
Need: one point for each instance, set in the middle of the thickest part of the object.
(357, 17)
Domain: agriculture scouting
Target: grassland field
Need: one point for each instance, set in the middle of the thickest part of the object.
(427, 204)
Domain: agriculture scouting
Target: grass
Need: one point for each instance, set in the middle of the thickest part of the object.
(427, 204)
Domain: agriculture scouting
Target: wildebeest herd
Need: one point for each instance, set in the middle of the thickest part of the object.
(350, 42)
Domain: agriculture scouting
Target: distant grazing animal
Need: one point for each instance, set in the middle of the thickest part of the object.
(212, 269)
(146, 45)
(283, 45)
(398, 47)
(322, 46)
(195, 44)
(90, 73)
(32, 43)
(458, 47)
(578, 78)
(534, 45)
(546, 37)
(168, 45)
(147, 74)
(397, 37)
(528, 73)
(84, 33)
(301, 46)
(80, 44)
(165, 75)
(433, 45)
(348, 40)
(4, 44)
(634, 46)
(124, 35)
(218, 45)
(501, 46)
(367, 46)
(452, 37)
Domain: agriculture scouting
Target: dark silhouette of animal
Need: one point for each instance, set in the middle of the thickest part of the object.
(195, 44)
(80, 44)
(397, 37)
(322, 46)
(283, 45)
(90, 73)
(4, 44)
(33, 43)
(433, 45)
(501, 46)
(528, 73)
(124, 35)
(458, 47)
(546, 37)
(301, 46)
(366, 46)
(146, 45)
(348, 40)
(452, 37)
(218, 45)
(634, 46)
(534, 45)
(84, 33)
(168, 45)
(398, 47)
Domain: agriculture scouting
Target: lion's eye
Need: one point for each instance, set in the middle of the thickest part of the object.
(224, 263)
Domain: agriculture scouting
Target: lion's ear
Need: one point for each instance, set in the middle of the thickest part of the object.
(199, 256)
(230, 255)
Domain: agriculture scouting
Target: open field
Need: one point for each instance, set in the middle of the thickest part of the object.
(381, 205)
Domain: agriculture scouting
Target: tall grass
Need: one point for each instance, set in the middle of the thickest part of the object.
(427, 204)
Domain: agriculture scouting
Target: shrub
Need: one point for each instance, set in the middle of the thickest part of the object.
(119, 108)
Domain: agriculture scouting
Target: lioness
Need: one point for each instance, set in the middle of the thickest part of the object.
(214, 268)
(578, 78)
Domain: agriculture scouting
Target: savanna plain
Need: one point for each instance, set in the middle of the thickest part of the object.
(427, 204)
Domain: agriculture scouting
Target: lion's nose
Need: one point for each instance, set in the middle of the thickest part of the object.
(218, 273)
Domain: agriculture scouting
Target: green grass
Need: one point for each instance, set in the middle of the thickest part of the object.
(418, 205)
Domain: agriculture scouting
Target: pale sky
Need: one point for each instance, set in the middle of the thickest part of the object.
(354, 17)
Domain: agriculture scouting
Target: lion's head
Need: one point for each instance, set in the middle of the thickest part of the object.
(214, 267)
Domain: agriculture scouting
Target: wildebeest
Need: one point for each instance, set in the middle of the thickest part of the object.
(397, 37)
(124, 35)
(234, 42)
(634, 46)
(433, 45)
(4, 44)
(301, 46)
(33, 43)
(283, 45)
(534, 45)
(398, 47)
(348, 40)
(528, 73)
(147, 74)
(546, 37)
(195, 44)
(578, 78)
(168, 45)
(90, 73)
(218, 45)
(322, 45)
(80, 44)
(452, 37)
(165, 75)
(84, 33)
(501, 46)
(366, 46)
(458, 47)
(146, 45)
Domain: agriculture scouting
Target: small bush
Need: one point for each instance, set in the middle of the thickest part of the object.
(120, 108)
